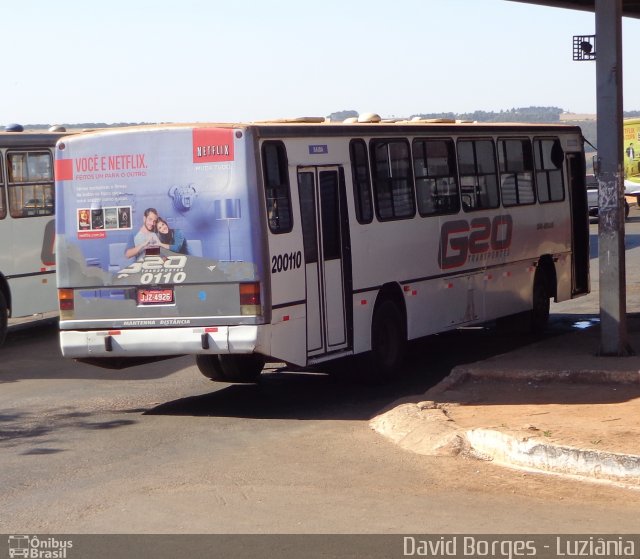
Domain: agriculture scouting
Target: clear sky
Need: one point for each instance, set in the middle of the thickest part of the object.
(70, 61)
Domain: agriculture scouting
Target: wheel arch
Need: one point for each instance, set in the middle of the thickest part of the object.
(393, 292)
(4, 289)
(547, 267)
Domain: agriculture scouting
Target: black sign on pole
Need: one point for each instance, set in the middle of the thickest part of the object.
(584, 47)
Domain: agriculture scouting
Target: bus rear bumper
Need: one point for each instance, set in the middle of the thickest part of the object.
(156, 342)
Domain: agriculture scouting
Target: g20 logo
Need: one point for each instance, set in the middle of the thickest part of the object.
(461, 238)
(157, 269)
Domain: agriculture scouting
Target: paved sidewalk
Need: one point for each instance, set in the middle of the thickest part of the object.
(551, 406)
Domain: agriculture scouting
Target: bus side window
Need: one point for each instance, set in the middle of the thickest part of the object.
(392, 179)
(30, 184)
(3, 203)
(516, 172)
(276, 183)
(361, 181)
(434, 164)
(478, 175)
(549, 157)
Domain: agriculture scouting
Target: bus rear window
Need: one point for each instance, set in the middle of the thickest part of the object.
(30, 184)
(276, 184)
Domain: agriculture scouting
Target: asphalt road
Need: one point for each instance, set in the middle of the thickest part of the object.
(160, 449)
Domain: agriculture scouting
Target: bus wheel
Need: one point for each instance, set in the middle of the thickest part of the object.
(4, 320)
(245, 367)
(210, 367)
(541, 303)
(387, 342)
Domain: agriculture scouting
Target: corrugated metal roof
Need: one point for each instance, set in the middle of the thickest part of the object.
(630, 8)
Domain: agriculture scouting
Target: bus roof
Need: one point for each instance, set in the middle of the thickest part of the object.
(21, 139)
(318, 126)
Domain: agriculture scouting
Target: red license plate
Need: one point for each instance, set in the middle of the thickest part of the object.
(155, 296)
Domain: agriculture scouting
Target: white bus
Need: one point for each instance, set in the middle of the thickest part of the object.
(302, 241)
(27, 259)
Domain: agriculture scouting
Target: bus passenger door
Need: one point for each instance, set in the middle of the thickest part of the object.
(327, 260)
(579, 224)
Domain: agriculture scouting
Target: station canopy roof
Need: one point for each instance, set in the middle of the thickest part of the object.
(630, 8)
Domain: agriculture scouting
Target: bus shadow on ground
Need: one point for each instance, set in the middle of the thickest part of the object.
(304, 395)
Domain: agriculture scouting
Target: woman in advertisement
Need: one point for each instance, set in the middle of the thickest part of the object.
(171, 239)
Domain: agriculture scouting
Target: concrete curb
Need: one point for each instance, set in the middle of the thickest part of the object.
(536, 454)
(424, 428)
(421, 428)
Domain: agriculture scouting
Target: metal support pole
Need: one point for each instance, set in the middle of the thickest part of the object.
(613, 336)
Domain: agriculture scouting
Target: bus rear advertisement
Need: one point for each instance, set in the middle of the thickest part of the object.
(157, 238)
(303, 241)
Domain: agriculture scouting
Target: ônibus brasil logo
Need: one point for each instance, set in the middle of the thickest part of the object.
(39, 548)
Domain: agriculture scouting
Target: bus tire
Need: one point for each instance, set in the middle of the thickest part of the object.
(540, 303)
(210, 367)
(4, 318)
(244, 367)
(388, 342)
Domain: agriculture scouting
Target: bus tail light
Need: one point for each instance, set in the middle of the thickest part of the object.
(65, 303)
(250, 299)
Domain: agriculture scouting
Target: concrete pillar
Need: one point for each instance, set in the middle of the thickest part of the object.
(613, 308)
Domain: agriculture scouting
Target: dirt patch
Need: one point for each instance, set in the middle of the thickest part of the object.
(589, 416)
